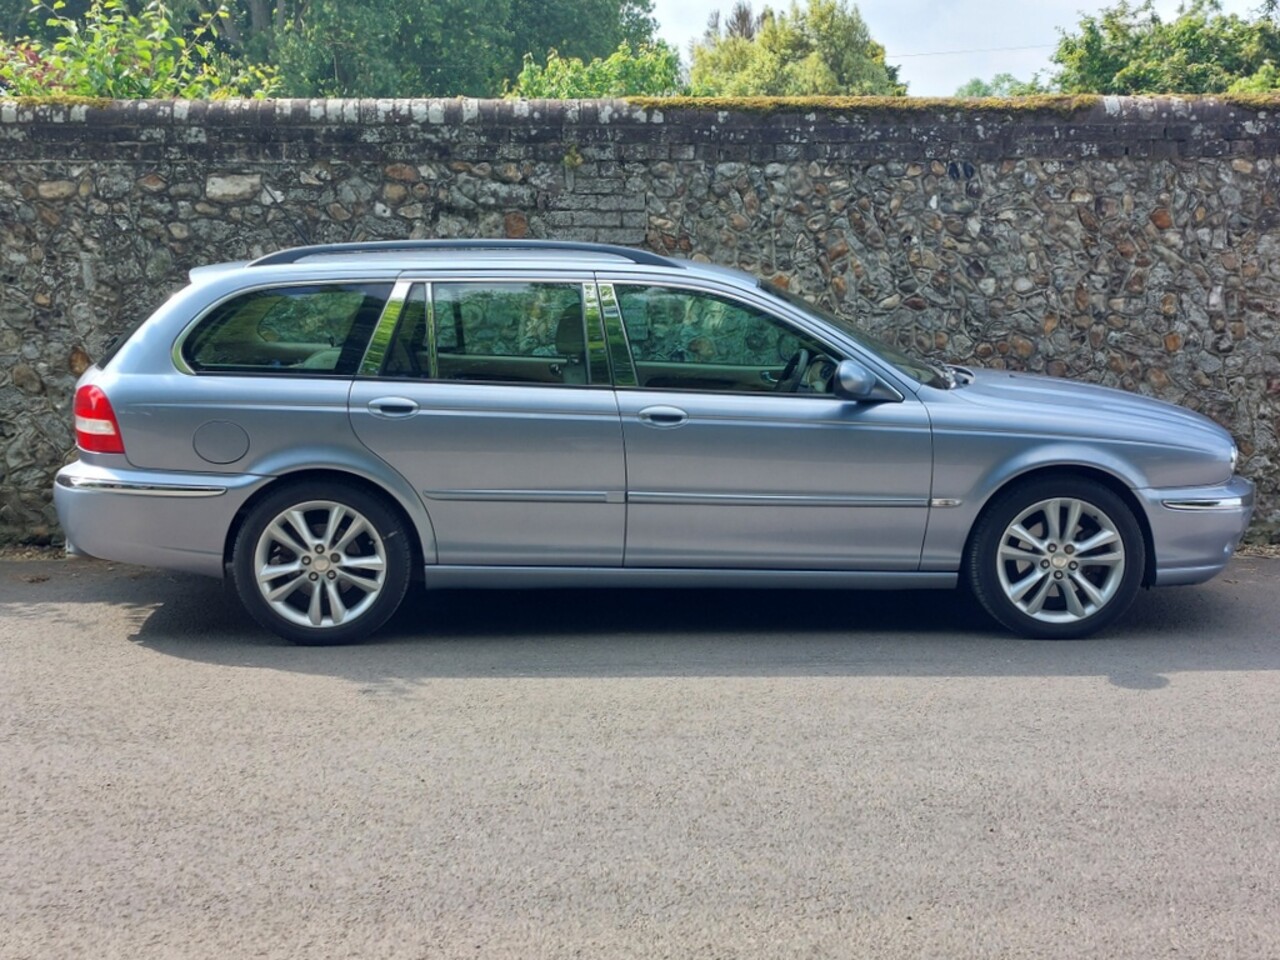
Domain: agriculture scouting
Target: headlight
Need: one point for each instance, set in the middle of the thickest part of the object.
(1235, 457)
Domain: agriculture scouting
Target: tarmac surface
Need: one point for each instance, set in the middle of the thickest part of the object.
(635, 774)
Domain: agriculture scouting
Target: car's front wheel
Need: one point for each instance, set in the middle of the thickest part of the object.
(1056, 558)
(321, 563)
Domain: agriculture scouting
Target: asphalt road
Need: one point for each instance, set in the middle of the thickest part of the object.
(646, 774)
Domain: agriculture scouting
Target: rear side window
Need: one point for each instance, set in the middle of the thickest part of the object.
(493, 333)
(301, 330)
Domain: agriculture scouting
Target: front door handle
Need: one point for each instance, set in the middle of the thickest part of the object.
(662, 417)
(392, 408)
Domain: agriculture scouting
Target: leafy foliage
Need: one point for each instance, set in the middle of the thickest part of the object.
(1266, 79)
(118, 54)
(651, 71)
(383, 48)
(1129, 49)
(387, 48)
(823, 48)
(1003, 85)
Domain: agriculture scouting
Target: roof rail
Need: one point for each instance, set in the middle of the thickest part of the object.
(295, 254)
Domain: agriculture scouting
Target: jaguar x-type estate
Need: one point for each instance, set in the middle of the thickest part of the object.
(325, 424)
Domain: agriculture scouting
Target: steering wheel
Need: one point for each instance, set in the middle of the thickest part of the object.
(793, 372)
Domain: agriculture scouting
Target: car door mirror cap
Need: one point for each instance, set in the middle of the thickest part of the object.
(853, 381)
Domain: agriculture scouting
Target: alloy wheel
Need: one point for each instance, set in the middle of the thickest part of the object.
(320, 564)
(1061, 560)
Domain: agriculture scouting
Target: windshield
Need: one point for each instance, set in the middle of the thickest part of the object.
(918, 370)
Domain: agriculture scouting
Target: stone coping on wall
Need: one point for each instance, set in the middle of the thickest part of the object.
(757, 130)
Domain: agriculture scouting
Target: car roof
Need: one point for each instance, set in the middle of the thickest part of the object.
(409, 255)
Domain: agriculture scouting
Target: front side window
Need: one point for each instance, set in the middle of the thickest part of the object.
(918, 370)
(691, 340)
(494, 333)
(303, 330)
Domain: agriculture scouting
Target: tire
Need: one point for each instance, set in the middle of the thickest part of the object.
(1048, 583)
(341, 594)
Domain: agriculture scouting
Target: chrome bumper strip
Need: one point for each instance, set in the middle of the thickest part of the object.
(1217, 503)
(100, 485)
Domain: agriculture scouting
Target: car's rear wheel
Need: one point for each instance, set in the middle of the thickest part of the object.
(1056, 558)
(321, 563)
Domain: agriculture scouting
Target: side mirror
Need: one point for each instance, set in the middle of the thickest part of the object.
(853, 381)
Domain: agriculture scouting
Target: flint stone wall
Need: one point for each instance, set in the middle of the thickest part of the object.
(1131, 243)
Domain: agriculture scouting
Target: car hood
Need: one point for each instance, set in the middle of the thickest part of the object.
(1065, 407)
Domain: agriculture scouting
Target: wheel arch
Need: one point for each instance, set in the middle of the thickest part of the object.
(418, 540)
(1078, 472)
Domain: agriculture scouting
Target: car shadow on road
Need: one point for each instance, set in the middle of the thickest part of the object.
(1225, 625)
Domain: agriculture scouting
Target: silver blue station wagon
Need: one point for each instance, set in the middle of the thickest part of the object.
(324, 424)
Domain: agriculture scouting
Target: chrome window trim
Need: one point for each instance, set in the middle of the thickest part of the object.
(598, 369)
(433, 359)
(181, 365)
(375, 352)
(620, 358)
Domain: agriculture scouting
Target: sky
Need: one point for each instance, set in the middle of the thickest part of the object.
(938, 28)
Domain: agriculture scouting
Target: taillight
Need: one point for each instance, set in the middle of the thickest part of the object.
(96, 428)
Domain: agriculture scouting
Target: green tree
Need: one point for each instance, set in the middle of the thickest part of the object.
(111, 52)
(1266, 79)
(585, 29)
(1130, 49)
(647, 71)
(390, 48)
(823, 48)
(1002, 85)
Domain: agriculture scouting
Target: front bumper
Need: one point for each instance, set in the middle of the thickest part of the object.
(1195, 530)
(174, 520)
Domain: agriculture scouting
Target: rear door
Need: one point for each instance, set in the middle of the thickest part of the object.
(491, 398)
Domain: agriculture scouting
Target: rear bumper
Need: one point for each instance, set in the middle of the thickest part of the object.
(1196, 529)
(174, 520)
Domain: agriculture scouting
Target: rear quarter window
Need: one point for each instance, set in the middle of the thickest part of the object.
(304, 330)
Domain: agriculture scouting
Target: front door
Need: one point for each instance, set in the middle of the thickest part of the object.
(739, 455)
(486, 401)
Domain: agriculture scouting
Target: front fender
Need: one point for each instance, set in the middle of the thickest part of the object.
(967, 476)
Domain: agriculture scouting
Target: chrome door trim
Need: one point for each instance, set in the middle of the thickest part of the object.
(769, 500)
(528, 496)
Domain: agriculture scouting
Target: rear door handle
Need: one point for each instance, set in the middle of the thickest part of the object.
(662, 417)
(392, 408)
